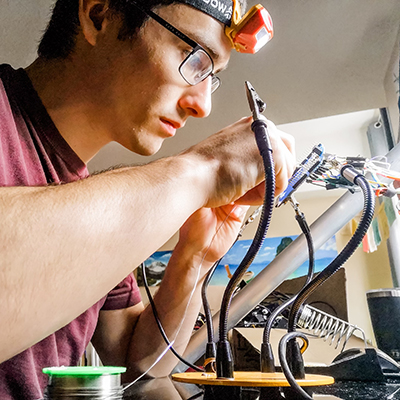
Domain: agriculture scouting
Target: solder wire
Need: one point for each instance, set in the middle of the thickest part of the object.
(171, 343)
(124, 388)
(168, 342)
(154, 309)
(159, 325)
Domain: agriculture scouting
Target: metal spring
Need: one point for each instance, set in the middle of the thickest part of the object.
(325, 325)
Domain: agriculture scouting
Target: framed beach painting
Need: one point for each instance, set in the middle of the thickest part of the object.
(156, 264)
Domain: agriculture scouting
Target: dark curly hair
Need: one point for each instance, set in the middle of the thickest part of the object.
(59, 38)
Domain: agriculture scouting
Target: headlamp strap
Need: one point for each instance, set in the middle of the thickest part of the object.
(219, 9)
(249, 33)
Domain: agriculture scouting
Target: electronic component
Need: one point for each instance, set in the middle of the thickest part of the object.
(376, 170)
(310, 164)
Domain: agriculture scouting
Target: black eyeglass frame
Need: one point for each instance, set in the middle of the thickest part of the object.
(216, 82)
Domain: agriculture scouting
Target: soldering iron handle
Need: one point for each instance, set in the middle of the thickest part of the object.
(260, 129)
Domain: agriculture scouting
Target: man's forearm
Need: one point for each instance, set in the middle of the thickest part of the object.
(63, 248)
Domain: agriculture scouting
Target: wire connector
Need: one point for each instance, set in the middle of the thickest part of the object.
(309, 165)
(350, 173)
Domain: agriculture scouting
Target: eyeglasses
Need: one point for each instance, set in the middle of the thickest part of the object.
(198, 65)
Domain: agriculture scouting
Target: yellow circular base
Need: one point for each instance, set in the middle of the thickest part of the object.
(253, 379)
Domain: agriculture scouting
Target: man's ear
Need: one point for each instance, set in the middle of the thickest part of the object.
(92, 18)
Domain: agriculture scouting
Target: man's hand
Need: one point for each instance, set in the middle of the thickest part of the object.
(283, 154)
(210, 232)
(237, 166)
(241, 166)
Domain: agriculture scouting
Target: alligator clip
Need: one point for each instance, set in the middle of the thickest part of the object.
(257, 105)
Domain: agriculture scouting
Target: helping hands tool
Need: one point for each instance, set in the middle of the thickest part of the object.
(226, 382)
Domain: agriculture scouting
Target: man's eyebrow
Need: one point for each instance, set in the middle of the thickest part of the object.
(213, 53)
(209, 49)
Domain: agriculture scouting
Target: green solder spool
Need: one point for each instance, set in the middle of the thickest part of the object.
(77, 383)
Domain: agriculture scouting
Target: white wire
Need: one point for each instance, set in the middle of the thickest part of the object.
(148, 370)
(198, 273)
(159, 358)
(187, 306)
(379, 161)
(374, 167)
(184, 315)
(144, 373)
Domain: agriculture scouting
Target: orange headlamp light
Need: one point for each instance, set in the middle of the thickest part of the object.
(253, 31)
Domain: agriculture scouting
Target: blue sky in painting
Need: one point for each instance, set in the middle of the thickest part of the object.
(323, 257)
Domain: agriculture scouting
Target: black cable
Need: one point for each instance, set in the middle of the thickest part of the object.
(210, 354)
(204, 287)
(306, 230)
(279, 295)
(266, 357)
(343, 256)
(224, 358)
(284, 363)
(161, 329)
(210, 350)
(297, 365)
(206, 304)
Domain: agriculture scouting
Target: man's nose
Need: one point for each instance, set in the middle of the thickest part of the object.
(196, 100)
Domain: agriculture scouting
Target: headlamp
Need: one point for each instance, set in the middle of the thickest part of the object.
(247, 34)
(253, 31)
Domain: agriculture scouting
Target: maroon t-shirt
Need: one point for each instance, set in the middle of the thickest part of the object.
(32, 153)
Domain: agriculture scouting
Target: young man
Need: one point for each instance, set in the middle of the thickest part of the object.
(109, 72)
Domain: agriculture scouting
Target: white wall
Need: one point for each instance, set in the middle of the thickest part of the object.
(392, 86)
(21, 25)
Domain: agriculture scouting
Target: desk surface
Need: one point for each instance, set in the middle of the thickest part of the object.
(165, 389)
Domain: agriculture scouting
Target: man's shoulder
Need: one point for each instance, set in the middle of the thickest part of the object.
(11, 81)
(14, 80)
(7, 72)
(5, 77)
